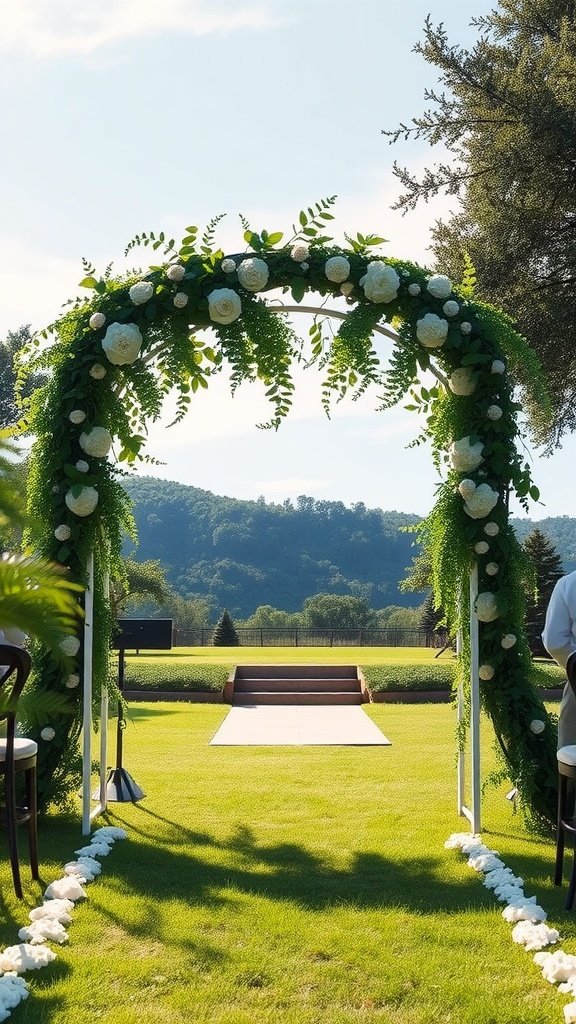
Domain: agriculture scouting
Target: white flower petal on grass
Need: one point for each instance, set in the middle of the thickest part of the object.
(534, 936)
(45, 930)
(100, 849)
(25, 957)
(55, 910)
(557, 966)
(570, 1013)
(110, 830)
(12, 991)
(524, 912)
(485, 862)
(66, 888)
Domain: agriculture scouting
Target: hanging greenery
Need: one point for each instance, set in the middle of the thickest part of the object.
(114, 357)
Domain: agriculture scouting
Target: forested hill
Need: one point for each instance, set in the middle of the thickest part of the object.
(243, 554)
(247, 553)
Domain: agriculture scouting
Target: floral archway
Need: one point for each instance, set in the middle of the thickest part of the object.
(114, 357)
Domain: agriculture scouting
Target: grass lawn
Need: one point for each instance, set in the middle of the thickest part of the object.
(293, 655)
(302, 885)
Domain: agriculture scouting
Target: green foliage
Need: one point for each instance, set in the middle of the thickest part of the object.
(175, 676)
(334, 611)
(547, 569)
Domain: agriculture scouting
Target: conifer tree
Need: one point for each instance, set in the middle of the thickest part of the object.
(225, 634)
(547, 570)
(505, 113)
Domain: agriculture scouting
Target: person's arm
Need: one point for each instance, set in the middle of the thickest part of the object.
(557, 637)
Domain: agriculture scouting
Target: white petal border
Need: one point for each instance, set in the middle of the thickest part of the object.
(47, 921)
(523, 912)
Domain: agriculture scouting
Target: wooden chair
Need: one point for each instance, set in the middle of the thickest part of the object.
(17, 754)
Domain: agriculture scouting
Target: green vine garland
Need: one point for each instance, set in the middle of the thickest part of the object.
(114, 358)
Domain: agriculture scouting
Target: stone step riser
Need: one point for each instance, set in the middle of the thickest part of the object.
(296, 672)
(259, 697)
(298, 685)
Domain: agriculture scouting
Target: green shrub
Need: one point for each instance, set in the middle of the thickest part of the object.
(439, 675)
(176, 677)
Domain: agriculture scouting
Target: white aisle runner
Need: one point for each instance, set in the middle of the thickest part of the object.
(297, 725)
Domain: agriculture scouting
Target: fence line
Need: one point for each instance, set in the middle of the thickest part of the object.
(299, 637)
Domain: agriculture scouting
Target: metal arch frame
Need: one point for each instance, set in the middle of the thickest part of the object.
(472, 814)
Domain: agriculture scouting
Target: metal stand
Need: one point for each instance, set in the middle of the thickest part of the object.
(120, 786)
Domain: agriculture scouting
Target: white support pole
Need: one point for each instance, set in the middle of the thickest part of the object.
(475, 819)
(460, 713)
(87, 703)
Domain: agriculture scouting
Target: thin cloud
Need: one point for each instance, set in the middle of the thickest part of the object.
(65, 27)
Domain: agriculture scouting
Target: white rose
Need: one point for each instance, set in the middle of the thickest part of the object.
(84, 504)
(439, 286)
(467, 488)
(122, 343)
(96, 321)
(463, 381)
(380, 282)
(537, 726)
(498, 366)
(48, 733)
(486, 672)
(451, 308)
(337, 269)
(96, 442)
(414, 289)
(97, 371)
(481, 503)
(481, 548)
(465, 456)
(300, 252)
(82, 466)
(141, 292)
(465, 327)
(224, 305)
(62, 532)
(70, 645)
(72, 681)
(253, 274)
(432, 330)
(508, 641)
(180, 300)
(347, 288)
(486, 607)
(175, 272)
(492, 568)
(228, 266)
(77, 416)
(494, 412)
(492, 529)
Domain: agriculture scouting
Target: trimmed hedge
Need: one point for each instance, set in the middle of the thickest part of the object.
(435, 676)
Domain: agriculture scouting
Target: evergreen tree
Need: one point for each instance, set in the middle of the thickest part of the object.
(225, 634)
(547, 570)
(505, 112)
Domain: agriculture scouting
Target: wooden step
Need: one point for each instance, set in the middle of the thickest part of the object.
(296, 684)
(296, 672)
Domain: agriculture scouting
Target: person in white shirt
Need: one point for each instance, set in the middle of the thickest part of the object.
(559, 639)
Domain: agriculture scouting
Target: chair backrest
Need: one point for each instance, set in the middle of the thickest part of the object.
(571, 672)
(15, 665)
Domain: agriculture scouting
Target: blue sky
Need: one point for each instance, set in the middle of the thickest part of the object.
(129, 115)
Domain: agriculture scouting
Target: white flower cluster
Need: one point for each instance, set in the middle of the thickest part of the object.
(508, 641)
(228, 266)
(121, 344)
(432, 330)
(84, 503)
(224, 305)
(141, 292)
(451, 308)
(439, 286)
(96, 321)
(62, 532)
(300, 252)
(337, 269)
(175, 272)
(481, 548)
(180, 300)
(530, 930)
(380, 282)
(492, 568)
(479, 499)
(414, 289)
(97, 371)
(486, 672)
(48, 733)
(70, 645)
(537, 726)
(77, 416)
(463, 381)
(486, 607)
(494, 412)
(96, 442)
(465, 456)
(253, 274)
(560, 967)
(48, 922)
